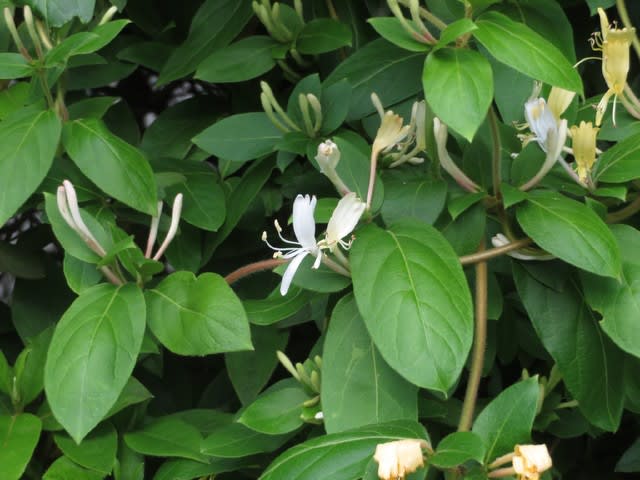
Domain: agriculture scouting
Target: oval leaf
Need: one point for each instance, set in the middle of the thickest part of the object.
(14, 65)
(92, 354)
(508, 419)
(197, 316)
(621, 162)
(167, 437)
(414, 300)
(458, 84)
(276, 411)
(119, 169)
(358, 387)
(521, 48)
(28, 143)
(316, 458)
(19, 436)
(96, 452)
(570, 231)
(246, 59)
(392, 30)
(457, 448)
(235, 441)
(323, 35)
(240, 137)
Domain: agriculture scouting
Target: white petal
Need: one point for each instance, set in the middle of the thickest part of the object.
(540, 120)
(344, 218)
(304, 224)
(291, 270)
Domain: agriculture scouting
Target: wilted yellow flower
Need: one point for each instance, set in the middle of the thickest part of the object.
(559, 100)
(583, 139)
(399, 458)
(614, 44)
(530, 461)
(390, 132)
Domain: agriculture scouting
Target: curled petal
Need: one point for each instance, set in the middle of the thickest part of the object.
(304, 224)
(344, 218)
(291, 270)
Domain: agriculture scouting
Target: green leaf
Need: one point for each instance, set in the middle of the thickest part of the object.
(191, 470)
(571, 231)
(630, 460)
(96, 452)
(455, 30)
(392, 30)
(458, 84)
(58, 12)
(249, 372)
(28, 143)
(521, 48)
(14, 65)
(82, 43)
(458, 448)
(65, 469)
(317, 458)
(167, 437)
(618, 300)
(132, 393)
(92, 354)
(507, 420)
(322, 279)
(80, 275)
(240, 137)
(236, 441)
(29, 367)
(620, 163)
(358, 387)
(589, 362)
(276, 307)
(276, 411)
(246, 59)
(214, 25)
(335, 101)
(116, 167)
(422, 199)
(197, 316)
(415, 301)
(595, 4)
(323, 35)
(20, 261)
(6, 375)
(19, 436)
(378, 67)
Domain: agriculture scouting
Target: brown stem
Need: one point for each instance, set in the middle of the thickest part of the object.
(247, 270)
(479, 346)
(625, 212)
(482, 256)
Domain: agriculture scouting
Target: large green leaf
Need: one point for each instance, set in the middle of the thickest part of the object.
(92, 355)
(167, 437)
(246, 59)
(197, 316)
(14, 65)
(19, 436)
(118, 168)
(378, 67)
(317, 458)
(415, 301)
(458, 84)
(589, 362)
(570, 231)
(618, 300)
(323, 35)
(65, 469)
(28, 143)
(521, 48)
(214, 25)
(457, 448)
(358, 387)
(276, 307)
(621, 162)
(236, 441)
(507, 420)
(241, 137)
(96, 452)
(58, 12)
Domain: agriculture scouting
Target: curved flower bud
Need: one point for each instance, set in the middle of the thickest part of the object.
(398, 459)
(440, 133)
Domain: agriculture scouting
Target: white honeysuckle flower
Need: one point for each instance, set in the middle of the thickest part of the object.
(328, 156)
(556, 138)
(530, 461)
(500, 240)
(540, 120)
(343, 220)
(399, 458)
(304, 227)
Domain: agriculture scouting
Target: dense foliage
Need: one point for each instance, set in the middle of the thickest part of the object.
(309, 239)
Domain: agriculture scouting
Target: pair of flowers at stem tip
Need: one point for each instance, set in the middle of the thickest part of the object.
(343, 220)
(399, 458)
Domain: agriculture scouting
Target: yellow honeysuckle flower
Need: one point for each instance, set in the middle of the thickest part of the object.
(530, 461)
(400, 458)
(583, 140)
(614, 44)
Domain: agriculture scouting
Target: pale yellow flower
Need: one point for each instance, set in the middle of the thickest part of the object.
(583, 139)
(614, 44)
(530, 461)
(398, 459)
